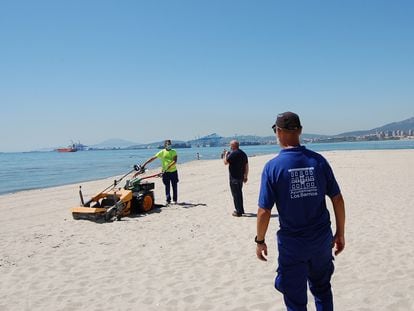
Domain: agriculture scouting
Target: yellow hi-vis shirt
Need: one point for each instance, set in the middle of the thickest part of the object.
(167, 157)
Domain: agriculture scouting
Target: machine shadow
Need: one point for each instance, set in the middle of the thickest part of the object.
(158, 208)
(189, 205)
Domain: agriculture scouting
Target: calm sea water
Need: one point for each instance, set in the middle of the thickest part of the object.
(33, 170)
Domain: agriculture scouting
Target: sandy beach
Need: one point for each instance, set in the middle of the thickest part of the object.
(195, 255)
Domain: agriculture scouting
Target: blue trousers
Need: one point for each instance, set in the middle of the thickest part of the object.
(303, 264)
(170, 178)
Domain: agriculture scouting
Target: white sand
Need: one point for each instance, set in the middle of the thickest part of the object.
(196, 256)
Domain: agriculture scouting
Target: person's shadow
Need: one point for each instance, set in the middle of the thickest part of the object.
(186, 204)
(255, 215)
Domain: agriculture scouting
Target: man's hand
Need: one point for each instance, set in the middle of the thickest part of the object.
(263, 218)
(261, 251)
(225, 155)
(338, 243)
(339, 209)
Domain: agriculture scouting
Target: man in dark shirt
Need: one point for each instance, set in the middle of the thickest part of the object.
(238, 164)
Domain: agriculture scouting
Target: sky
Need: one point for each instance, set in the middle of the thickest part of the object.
(149, 70)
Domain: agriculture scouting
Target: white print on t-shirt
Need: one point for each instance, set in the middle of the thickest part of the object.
(302, 183)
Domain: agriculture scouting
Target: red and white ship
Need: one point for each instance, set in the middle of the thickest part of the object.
(68, 149)
(72, 148)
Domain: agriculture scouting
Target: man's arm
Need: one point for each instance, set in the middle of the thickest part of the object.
(225, 158)
(172, 163)
(246, 172)
(339, 210)
(149, 161)
(143, 165)
(263, 218)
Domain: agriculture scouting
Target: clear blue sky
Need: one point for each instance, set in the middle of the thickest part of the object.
(148, 70)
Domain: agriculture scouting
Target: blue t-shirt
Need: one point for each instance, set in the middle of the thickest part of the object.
(298, 180)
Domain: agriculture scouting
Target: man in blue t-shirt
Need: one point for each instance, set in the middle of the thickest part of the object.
(297, 181)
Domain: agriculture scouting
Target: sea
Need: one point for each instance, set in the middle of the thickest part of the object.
(36, 170)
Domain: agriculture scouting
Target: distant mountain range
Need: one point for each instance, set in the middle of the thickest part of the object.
(404, 125)
(215, 139)
(113, 143)
(157, 144)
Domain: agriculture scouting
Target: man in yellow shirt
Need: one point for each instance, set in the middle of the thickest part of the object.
(168, 157)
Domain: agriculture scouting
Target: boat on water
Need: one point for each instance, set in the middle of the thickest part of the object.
(72, 148)
(68, 149)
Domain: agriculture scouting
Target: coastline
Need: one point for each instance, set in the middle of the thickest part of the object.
(196, 256)
(31, 171)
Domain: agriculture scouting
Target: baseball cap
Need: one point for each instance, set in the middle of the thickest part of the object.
(288, 121)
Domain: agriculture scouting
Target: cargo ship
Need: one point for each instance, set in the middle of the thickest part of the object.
(72, 148)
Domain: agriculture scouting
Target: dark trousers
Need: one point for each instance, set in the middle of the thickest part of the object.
(236, 186)
(170, 178)
(297, 268)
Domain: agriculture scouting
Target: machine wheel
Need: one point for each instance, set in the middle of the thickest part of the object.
(147, 202)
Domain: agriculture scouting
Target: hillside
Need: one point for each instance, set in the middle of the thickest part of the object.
(113, 143)
(404, 125)
(215, 139)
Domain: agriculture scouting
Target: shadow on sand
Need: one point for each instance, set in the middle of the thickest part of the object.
(189, 205)
(158, 208)
(255, 215)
